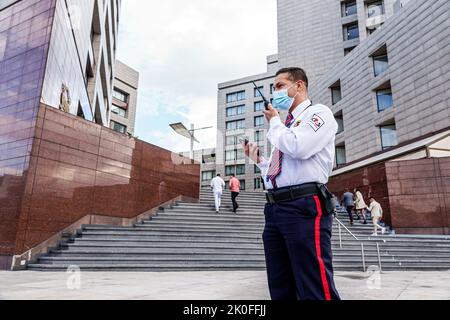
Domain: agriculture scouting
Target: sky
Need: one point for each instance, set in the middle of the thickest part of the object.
(183, 50)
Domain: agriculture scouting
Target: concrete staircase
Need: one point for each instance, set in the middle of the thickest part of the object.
(192, 237)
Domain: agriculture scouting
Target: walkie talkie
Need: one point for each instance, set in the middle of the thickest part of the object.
(266, 102)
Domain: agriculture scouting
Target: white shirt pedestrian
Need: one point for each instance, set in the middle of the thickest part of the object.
(217, 185)
(377, 214)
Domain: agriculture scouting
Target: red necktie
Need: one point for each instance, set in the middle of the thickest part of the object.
(277, 159)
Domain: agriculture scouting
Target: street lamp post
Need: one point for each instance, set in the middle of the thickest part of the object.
(190, 134)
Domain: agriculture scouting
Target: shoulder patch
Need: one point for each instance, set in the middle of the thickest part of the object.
(316, 122)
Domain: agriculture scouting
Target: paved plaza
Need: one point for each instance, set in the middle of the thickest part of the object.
(211, 286)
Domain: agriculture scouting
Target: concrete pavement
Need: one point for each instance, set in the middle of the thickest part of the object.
(211, 286)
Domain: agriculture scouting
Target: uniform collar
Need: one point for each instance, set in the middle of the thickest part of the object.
(301, 108)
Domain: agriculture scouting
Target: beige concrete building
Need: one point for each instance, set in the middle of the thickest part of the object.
(394, 87)
(124, 101)
(207, 159)
(381, 66)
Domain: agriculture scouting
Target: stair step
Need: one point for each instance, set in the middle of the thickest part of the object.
(191, 237)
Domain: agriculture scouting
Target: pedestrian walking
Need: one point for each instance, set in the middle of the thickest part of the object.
(235, 188)
(217, 186)
(349, 204)
(360, 205)
(377, 214)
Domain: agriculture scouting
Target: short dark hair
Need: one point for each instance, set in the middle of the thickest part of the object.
(232, 175)
(295, 74)
(218, 174)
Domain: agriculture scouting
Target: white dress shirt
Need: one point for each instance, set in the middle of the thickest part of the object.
(308, 146)
(218, 184)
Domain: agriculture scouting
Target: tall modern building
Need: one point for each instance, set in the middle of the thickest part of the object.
(61, 166)
(80, 58)
(125, 91)
(383, 69)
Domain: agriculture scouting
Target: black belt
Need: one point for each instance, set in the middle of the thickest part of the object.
(292, 193)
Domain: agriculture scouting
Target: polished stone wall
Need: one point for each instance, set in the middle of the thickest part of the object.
(414, 194)
(78, 168)
(25, 29)
(419, 195)
(370, 180)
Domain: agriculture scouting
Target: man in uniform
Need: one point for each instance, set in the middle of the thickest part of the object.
(297, 234)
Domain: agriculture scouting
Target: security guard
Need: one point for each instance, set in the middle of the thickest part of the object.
(297, 235)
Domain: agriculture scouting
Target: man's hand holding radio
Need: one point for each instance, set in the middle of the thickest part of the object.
(252, 151)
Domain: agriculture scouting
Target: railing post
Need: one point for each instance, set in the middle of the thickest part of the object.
(379, 257)
(363, 257)
(340, 236)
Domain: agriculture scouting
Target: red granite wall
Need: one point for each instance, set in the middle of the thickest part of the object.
(415, 194)
(419, 194)
(370, 180)
(79, 168)
(25, 29)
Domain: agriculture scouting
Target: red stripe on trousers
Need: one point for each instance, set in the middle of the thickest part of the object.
(323, 275)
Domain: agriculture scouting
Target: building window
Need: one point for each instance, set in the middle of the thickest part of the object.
(230, 155)
(229, 170)
(375, 9)
(236, 125)
(242, 184)
(257, 169)
(208, 175)
(240, 154)
(256, 92)
(259, 136)
(348, 50)
(120, 95)
(388, 136)
(119, 111)
(384, 99)
(233, 155)
(340, 121)
(271, 88)
(349, 8)
(259, 121)
(259, 106)
(371, 30)
(341, 157)
(240, 170)
(351, 32)
(380, 64)
(235, 96)
(234, 111)
(209, 158)
(257, 183)
(231, 141)
(336, 94)
(118, 127)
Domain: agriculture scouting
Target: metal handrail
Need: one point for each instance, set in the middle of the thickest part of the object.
(363, 258)
(343, 225)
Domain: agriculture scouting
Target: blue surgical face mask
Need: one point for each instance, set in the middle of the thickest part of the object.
(281, 99)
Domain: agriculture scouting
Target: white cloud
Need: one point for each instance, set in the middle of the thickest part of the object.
(183, 49)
